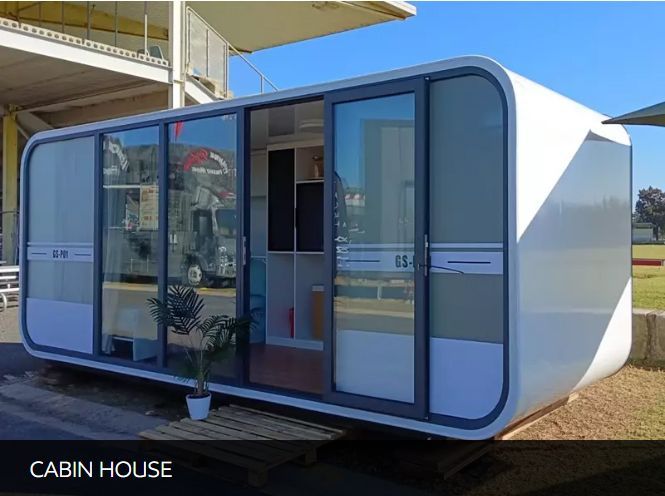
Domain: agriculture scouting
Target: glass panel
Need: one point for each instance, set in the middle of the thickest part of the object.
(55, 168)
(58, 307)
(202, 221)
(466, 161)
(467, 218)
(467, 306)
(57, 222)
(466, 207)
(129, 243)
(374, 234)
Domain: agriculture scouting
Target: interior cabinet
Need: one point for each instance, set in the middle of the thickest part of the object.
(309, 216)
(281, 200)
(295, 264)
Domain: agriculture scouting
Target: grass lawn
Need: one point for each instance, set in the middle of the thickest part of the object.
(649, 287)
(648, 251)
(649, 282)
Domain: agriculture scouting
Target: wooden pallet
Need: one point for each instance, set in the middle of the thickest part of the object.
(445, 458)
(514, 429)
(449, 457)
(266, 439)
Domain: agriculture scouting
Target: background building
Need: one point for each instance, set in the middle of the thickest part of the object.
(644, 232)
(67, 63)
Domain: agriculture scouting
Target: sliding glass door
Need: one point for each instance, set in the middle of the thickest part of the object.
(376, 260)
(203, 224)
(130, 246)
(171, 214)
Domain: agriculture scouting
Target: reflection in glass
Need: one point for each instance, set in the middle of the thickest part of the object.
(129, 243)
(374, 234)
(202, 227)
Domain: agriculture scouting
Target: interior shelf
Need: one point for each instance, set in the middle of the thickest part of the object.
(309, 164)
(280, 295)
(292, 168)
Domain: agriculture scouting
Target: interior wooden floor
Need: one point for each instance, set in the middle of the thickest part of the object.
(286, 367)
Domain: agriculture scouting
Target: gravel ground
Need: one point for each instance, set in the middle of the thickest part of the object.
(9, 325)
(133, 394)
(14, 360)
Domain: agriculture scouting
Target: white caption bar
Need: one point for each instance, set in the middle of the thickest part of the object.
(468, 262)
(60, 252)
(450, 262)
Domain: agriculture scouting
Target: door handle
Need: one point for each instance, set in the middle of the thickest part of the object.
(425, 265)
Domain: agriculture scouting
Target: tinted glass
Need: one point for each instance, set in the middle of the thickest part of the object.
(202, 224)
(374, 233)
(60, 226)
(129, 243)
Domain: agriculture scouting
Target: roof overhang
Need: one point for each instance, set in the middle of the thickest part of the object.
(38, 69)
(32, 80)
(648, 116)
(251, 26)
(248, 26)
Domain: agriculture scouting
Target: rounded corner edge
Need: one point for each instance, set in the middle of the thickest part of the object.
(28, 344)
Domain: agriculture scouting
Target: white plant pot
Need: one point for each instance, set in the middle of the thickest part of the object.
(198, 406)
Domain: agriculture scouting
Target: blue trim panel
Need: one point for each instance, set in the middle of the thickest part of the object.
(98, 216)
(162, 234)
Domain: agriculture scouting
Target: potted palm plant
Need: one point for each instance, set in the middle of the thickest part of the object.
(211, 339)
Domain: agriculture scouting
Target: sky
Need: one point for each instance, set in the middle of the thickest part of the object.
(607, 56)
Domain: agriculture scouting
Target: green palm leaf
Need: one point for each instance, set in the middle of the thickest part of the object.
(216, 335)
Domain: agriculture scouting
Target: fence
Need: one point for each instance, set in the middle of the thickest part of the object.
(8, 284)
(9, 217)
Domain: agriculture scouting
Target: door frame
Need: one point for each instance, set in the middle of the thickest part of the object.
(420, 407)
(242, 227)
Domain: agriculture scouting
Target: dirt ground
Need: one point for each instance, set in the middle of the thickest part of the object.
(628, 405)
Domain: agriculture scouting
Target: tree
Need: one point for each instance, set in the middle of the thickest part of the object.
(650, 207)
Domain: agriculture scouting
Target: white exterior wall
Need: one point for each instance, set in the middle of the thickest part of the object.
(573, 247)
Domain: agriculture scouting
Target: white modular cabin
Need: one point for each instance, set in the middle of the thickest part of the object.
(443, 248)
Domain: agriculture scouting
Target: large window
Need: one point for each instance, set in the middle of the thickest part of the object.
(202, 224)
(59, 292)
(58, 221)
(129, 243)
(466, 208)
(467, 221)
(374, 234)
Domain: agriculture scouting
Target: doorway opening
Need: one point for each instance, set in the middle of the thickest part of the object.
(286, 247)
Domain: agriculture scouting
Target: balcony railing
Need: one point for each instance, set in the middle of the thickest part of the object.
(207, 55)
